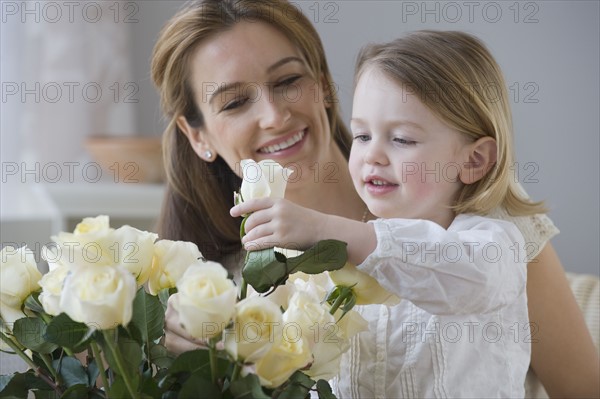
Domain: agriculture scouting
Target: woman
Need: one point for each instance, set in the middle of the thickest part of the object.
(246, 79)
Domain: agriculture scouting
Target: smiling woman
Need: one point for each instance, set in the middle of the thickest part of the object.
(245, 80)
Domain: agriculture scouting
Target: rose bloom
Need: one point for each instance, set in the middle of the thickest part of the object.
(94, 243)
(52, 288)
(285, 357)
(171, 260)
(367, 289)
(19, 277)
(205, 299)
(263, 179)
(101, 297)
(258, 324)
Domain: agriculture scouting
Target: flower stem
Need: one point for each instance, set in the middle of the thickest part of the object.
(96, 352)
(243, 289)
(36, 369)
(337, 303)
(212, 356)
(118, 359)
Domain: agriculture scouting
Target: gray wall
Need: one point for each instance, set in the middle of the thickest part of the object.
(549, 52)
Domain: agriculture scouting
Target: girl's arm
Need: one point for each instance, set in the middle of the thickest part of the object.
(564, 357)
(284, 224)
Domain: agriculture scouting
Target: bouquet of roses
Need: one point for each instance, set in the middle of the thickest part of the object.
(93, 326)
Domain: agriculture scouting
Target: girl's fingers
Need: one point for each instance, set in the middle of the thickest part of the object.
(250, 206)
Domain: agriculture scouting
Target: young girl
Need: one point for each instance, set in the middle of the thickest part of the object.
(432, 151)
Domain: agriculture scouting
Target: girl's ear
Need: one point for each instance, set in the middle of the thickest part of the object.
(197, 140)
(480, 157)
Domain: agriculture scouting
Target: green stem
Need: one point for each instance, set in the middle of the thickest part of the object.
(237, 368)
(119, 360)
(48, 363)
(243, 289)
(96, 352)
(212, 355)
(36, 369)
(337, 303)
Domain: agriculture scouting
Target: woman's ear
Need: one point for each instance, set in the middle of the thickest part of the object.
(480, 157)
(196, 138)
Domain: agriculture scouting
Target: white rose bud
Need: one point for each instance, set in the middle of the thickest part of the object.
(306, 313)
(101, 297)
(205, 299)
(171, 260)
(263, 179)
(19, 277)
(284, 358)
(258, 324)
(367, 289)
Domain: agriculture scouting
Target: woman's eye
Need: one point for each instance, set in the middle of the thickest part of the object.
(234, 104)
(288, 81)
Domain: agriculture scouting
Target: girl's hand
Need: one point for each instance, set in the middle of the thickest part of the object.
(279, 223)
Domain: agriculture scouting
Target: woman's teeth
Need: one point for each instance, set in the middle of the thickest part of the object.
(379, 183)
(282, 146)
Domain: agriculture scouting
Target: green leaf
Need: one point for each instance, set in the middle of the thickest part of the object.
(45, 395)
(32, 302)
(67, 333)
(248, 387)
(71, 371)
(266, 268)
(128, 349)
(164, 295)
(75, 392)
(160, 356)
(263, 270)
(118, 389)
(13, 386)
(30, 333)
(199, 386)
(298, 386)
(325, 255)
(195, 362)
(92, 372)
(150, 388)
(324, 390)
(148, 315)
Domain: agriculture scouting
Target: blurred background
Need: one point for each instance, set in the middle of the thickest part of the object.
(74, 70)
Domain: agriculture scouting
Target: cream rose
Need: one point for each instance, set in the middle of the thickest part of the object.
(258, 324)
(52, 288)
(101, 297)
(205, 299)
(19, 277)
(367, 289)
(307, 314)
(283, 359)
(94, 243)
(171, 260)
(263, 179)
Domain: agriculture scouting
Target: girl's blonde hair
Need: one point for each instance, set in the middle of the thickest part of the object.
(199, 194)
(455, 76)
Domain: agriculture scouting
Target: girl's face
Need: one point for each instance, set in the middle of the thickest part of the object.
(259, 100)
(405, 161)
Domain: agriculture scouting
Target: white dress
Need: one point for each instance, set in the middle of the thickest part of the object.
(461, 329)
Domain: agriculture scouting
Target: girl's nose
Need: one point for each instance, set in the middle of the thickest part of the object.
(274, 111)
(375, 154)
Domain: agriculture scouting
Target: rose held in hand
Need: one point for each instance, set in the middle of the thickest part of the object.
(264, 179)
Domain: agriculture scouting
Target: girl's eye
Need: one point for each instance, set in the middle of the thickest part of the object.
(234, 104)
(362, 138)
(402, 141)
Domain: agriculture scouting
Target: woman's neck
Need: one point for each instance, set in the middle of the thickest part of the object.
(329, 190)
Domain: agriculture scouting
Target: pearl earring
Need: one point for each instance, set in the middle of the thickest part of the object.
(208, 154)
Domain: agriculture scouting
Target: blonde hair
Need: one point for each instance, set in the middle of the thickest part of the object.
(455, 76)
(199, 194)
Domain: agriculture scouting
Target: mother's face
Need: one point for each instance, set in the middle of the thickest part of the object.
(258, 98)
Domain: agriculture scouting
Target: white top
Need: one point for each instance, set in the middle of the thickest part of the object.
(461, 329)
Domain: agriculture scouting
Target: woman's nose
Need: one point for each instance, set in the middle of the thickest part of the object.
(274, 111)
